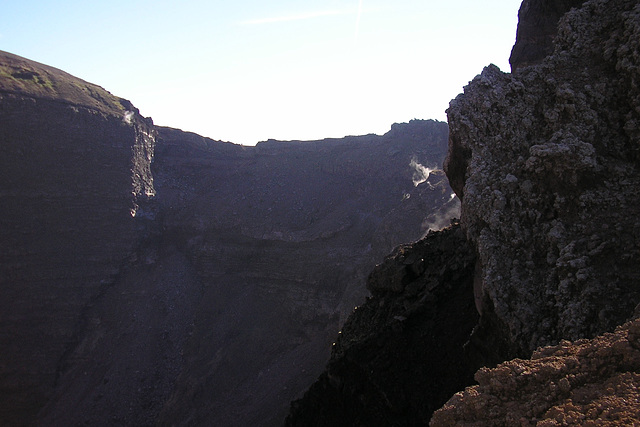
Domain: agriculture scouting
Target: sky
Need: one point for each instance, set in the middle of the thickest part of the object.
(246, 71)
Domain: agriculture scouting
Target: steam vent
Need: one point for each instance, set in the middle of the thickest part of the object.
(480, 272)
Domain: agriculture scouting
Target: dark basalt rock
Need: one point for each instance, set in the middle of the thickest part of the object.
(545, 161)
(401, 354)
(282, 235)
(550, 181)
(72, 180)
(537, 27)
(153, 276)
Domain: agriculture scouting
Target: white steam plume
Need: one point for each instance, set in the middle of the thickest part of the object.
(442, 218)
(420, 172)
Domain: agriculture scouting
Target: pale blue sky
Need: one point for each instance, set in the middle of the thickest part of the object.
(246, 70)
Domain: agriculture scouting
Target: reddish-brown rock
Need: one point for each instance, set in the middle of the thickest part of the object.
(585, 383)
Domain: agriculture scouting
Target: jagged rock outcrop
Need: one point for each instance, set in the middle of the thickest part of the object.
(585, 383)
(546, 162)
(153, 276)
(537, 28)
(400, 354)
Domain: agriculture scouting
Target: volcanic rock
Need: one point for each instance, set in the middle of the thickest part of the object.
(153, 276)
(537, 28)
(400, 355)
(74, 176)
(546, 162)
(282, 236)
(585, 383)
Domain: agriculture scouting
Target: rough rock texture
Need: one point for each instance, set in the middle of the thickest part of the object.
(546, 163)
(283, 235)
(400, 355)
(153, 276)
(131, 346)
(73, 177)
(537, 28)
(585, 383)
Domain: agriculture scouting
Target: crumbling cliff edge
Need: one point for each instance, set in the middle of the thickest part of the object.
(545, 161)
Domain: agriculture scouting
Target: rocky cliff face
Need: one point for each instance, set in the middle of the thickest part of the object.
(400, 355)
(282, 236)
(545, 161)
(537, 29)
(153, 276)
(74, 172)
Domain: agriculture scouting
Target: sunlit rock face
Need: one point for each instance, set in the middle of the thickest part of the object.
(153, 276)
(546, 161)
(587, 382)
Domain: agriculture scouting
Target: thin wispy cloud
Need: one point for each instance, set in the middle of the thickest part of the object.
(297, 17)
